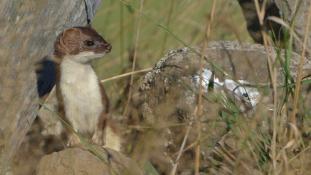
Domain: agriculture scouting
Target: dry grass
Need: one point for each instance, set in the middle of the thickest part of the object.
(214, 136)
(141, 32)
(116, 21)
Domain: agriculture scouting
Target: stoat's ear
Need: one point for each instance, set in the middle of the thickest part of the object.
(71, 40)
(67, 43)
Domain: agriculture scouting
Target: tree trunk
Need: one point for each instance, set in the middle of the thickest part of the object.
(292, 11)
(301, 8)
(252, 20)
(28, 30)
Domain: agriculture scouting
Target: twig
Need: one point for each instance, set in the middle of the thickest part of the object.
(135, 56)
(273, 76)
(125, 75)
(199, 106)
(175, 164)
(168, 20)
(300, 68)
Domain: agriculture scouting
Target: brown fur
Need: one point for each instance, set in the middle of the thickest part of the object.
(103, 118)
(71, 42)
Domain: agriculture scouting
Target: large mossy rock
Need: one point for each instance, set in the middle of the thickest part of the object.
(165, 104)
(77, 161)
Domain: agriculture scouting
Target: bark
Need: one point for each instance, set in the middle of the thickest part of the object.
(28, 30)
(252, 21)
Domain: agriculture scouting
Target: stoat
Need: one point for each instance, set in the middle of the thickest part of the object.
(82, 100)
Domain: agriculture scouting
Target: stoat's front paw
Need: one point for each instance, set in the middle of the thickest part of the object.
(107, 138)
(73, 140)
(98, 138)
(112, 139)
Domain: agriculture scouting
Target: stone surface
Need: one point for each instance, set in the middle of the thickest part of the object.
(76, 161)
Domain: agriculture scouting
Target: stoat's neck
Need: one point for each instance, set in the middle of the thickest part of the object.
(72, 71)
(83, 58)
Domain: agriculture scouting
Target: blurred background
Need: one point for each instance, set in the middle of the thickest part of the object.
(117, 21)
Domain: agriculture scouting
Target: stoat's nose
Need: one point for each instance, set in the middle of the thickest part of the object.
(107, 46)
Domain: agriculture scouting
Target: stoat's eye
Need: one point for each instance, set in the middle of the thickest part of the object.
(89, 43)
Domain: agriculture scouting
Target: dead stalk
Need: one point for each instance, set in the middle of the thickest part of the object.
(175, 164)
(168, 20)
(125, 75)
(273, 75)
(135, 55)
(199, 106)
(300, 72)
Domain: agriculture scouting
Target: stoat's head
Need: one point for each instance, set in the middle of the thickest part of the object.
(80, 44)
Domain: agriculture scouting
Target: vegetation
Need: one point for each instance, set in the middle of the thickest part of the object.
(117, 21)
(141, 32)
(174, 120)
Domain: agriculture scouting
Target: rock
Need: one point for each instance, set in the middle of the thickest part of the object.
(77, 161)
(175, 78)
(165, 104)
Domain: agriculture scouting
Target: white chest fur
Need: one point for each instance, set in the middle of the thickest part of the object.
(81, 94)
